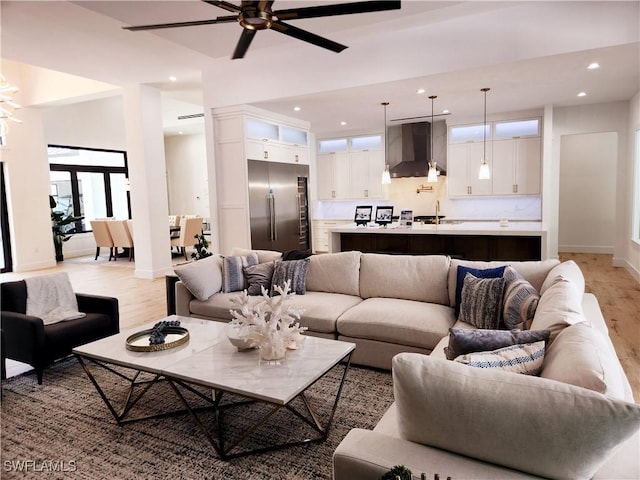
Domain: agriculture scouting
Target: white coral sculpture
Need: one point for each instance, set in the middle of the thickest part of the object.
(272, 321)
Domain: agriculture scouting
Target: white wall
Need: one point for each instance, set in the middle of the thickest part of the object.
(186, 158)
(598, 118)
(631, 248)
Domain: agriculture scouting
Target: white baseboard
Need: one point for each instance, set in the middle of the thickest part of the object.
(622, 262)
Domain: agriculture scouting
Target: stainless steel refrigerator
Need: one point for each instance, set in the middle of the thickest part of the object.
(278, 204)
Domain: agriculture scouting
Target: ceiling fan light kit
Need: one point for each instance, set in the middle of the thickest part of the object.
(258, 15)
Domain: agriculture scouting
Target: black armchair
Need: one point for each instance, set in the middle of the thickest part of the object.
(28, 340)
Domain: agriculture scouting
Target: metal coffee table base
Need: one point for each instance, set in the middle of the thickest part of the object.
(225, 450)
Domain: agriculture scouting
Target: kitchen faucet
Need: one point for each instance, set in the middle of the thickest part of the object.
(437, 212)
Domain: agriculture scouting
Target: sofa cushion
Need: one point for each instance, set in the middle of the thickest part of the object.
(481, 301)
(462, 340)
(259, 276)
(335, 273)
(534, 272)
(581, 356)
(520, 300)
(404, 322)
(559, 306)
(502, 418)
(422, 278)
(568, 270)
(202, 278)
(264, 256)
(294, 271)
(319, 309)
(233, 279)
(524, 358)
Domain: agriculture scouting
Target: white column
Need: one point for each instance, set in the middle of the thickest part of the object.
(147, 175)
(27, 182)
(550, 182)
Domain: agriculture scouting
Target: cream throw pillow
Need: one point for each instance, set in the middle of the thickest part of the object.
(559, 306)
(581, 356)
(531, 424)
(203, 277)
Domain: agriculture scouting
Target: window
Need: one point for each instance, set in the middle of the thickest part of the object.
(89, 183)
(636, 204)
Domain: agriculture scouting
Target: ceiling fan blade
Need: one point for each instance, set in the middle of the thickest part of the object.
(226, 5)
(243, 43)
(227, 19)
(306, 36)
(339, 9)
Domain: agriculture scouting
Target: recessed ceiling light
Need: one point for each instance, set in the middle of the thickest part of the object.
(582, 94)
(445, 111)
(297, 109)
(593, 66)
(420, 91)
(343, 123)
(173, 79)
(180, 132)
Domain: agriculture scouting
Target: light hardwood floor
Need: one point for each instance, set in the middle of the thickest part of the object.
(143, 300)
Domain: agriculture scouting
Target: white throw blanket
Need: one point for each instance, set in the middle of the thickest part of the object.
(51, 298)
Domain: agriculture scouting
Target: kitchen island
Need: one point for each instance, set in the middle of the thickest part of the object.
(467, 240)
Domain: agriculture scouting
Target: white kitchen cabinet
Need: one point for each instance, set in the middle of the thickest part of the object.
(366, 174)
(275, 142)
(463, 166)
(516, 166)
(350, 168)
(334, 176)
(321, 233)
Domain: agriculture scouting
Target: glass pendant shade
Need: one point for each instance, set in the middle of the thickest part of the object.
(432, 176)
(485, 173)
(386, 175)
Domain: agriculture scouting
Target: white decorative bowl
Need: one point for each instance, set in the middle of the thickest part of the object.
(237, 336)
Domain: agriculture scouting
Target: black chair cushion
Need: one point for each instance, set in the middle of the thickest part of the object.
(61, 337)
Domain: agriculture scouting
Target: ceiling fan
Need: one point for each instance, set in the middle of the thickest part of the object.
(258, 15)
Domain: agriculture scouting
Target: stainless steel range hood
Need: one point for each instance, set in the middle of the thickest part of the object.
(409, 149)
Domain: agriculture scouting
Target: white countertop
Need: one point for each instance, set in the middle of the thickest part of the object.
(463, 228)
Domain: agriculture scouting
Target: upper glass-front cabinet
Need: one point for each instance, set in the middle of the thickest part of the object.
(261, 129)
(333, 145)
(369, 142)
(518, 128)
(468, 133)
(293, 135)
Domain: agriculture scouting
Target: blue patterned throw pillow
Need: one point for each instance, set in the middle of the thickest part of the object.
(526, 358)
(520, 301)
(233, 279)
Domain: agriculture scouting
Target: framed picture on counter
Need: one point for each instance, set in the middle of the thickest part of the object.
(363, 214)
(384, 215)
(406, 218)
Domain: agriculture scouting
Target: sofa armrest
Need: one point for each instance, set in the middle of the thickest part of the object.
(100, 304)
(182, 298)
(19, 330)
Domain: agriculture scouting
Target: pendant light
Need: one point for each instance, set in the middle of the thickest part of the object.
(386, 174)
(485, 173)
(432, 176)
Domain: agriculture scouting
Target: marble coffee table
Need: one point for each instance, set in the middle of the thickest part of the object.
(209, 360)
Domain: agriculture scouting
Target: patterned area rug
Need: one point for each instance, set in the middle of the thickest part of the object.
(64, 427)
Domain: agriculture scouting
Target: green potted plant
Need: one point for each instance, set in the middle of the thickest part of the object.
(201, 248)
(60, 224)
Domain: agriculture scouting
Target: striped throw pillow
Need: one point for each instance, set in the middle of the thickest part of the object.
(520, 300)
(526, 358)
(233, 279)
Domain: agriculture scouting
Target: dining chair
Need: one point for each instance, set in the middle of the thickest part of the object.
(189, 228)
(121, 237)
(102, 236)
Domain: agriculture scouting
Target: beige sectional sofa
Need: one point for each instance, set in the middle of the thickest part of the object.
(449, 418)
